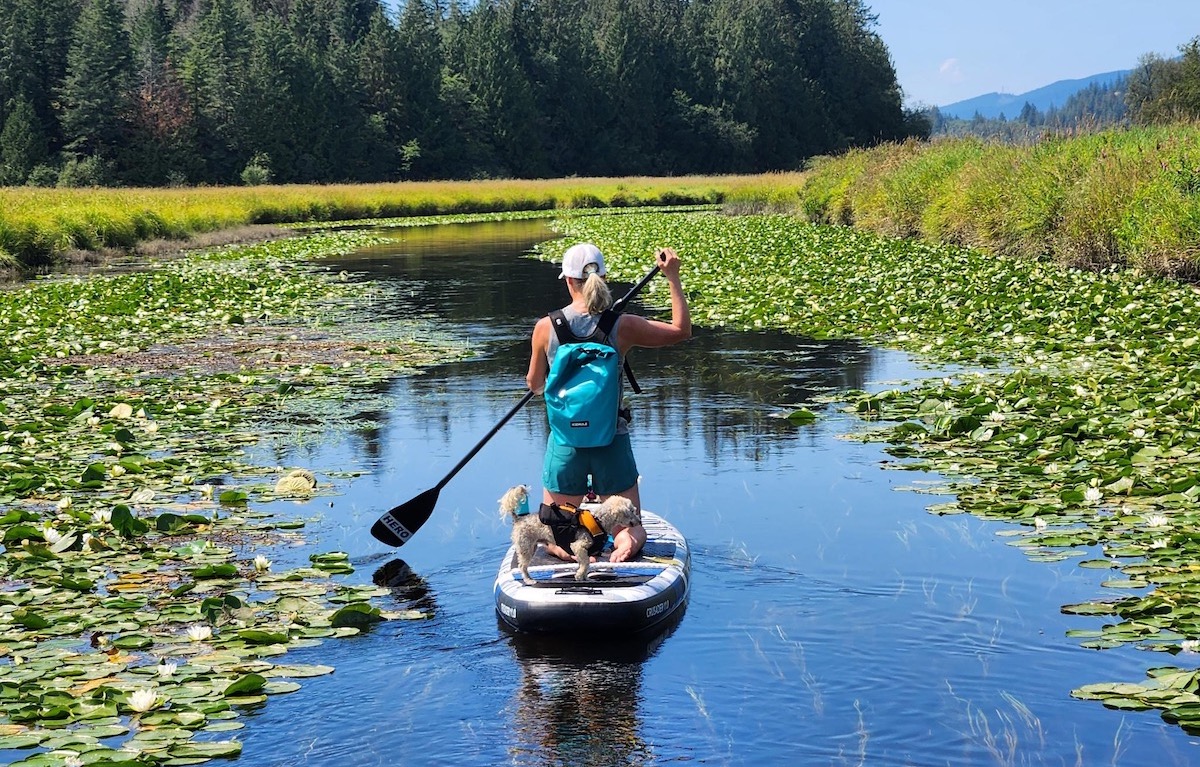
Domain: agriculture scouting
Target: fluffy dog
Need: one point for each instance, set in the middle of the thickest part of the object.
(529, 529)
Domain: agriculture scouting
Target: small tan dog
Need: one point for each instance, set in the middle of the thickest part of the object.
(584, 531)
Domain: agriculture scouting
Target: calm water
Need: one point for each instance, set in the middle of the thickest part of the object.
(832, 620)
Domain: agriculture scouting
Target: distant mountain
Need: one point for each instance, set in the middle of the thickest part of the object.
(990, 105)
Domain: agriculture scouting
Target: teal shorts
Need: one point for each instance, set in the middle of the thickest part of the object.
(612, 467)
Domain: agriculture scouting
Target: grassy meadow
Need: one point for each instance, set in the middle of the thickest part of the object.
(1126, 198)
(38, 225)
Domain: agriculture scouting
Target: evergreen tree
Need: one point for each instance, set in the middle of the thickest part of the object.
(35, 36)
(501, 90)
(95, 94)
(162, 142)
(322, 90)
(213, 71)
(22, 143)
(424, 127)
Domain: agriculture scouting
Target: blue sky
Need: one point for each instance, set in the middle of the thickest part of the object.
(949, 50)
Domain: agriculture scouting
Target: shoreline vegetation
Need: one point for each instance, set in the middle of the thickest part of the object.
(39, 227)
(1125, 198)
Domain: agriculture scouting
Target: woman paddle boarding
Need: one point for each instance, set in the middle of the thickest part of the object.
(585, 452)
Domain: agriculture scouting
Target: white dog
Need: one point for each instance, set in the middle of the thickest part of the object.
(583, 531)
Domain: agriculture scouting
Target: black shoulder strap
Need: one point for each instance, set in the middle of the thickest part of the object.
(562, 328)
(608, 321)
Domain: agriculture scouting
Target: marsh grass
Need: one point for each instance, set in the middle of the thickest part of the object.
(37, 226)
(1126, 197)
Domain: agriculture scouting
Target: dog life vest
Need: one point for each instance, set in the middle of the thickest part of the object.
(565, 521)
(583, 387)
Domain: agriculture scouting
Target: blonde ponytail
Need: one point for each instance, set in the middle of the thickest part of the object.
(596, 294)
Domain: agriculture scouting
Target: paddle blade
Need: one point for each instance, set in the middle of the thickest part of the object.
(399, 524)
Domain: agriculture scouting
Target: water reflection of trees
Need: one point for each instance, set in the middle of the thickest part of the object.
(721, 388)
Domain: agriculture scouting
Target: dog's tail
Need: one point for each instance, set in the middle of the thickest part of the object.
(514, 501)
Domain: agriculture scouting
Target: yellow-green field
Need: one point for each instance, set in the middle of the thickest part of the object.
(36, 225)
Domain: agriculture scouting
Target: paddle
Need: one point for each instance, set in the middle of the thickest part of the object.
(398, 525)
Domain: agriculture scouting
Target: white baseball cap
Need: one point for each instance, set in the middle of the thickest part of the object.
(578, 257)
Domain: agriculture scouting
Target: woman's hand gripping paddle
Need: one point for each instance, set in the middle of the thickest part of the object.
(398, 525)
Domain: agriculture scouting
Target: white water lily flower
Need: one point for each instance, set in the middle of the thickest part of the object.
(116, 470)
(1190, 645)
(1157, 520)
(71, 759)
(1040, 523)
(1159, 543)
(94, 421)
(1138, 433)
(51, 535)
(143, 700)
(1051, 468)
(103, 516)
(165, 669)
(86, 540)
(142, 496)
(261, 564)
(1092, 495)
(151, 427)
(121, 411)
(64, 503)
(199, 632)
(29, 441)
(206, 491)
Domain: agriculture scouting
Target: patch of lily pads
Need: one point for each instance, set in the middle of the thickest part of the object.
(140, 614)
(1073, 412)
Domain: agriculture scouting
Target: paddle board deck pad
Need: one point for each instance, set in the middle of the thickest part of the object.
(617, 597)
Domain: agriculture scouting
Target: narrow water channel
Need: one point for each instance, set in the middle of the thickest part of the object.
(832, 621)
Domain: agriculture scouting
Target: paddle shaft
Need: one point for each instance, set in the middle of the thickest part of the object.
(479, 445)
(619, 305)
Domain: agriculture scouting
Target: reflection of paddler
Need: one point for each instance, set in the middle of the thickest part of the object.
(578, 701)
(405, 585)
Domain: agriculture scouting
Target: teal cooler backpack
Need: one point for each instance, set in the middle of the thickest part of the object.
(583, 387)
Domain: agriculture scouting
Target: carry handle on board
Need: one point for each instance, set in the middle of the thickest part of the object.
(399, 524)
